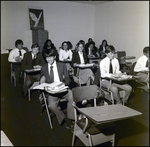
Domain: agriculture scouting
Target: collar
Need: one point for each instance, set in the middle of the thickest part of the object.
(54, 64)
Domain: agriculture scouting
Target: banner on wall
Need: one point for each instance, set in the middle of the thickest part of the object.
(36, 19)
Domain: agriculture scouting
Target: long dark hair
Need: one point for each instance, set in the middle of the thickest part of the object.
(45, 44)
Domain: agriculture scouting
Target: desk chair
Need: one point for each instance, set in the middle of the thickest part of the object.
(31, 88)
(85, 129)
(12, 74)
(125, 66)
(45, 105)
(121, 92)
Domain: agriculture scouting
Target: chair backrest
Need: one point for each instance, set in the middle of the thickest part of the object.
(132, 69)
(85, 93)
(121, 54)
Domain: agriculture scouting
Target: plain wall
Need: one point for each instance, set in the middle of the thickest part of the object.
(65, 21)
(124, 24)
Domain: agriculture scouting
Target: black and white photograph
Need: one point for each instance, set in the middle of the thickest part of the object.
(75, 73)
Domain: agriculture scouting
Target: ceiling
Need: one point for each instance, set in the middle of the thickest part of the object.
(93, 2)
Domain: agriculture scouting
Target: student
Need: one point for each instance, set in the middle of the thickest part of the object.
(106, 71)
(32, 59)
(142, 65)
(92, 50)
(65, 55)
(61, 75)
(16, 55)
(87, 44)
(102, 48)
(79, 57)
(47, 46)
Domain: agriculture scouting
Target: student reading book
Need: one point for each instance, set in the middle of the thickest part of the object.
(51, 72)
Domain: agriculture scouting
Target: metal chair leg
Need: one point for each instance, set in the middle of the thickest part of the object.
(47, 111)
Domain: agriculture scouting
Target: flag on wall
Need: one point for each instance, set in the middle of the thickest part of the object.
(36, 19)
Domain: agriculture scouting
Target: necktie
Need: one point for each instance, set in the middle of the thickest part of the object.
(110, 68)
(51, 74)
(147, 63)
(34, 60)
(20, 54)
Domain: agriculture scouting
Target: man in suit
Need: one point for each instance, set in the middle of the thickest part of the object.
(57, 72)
(32, 59)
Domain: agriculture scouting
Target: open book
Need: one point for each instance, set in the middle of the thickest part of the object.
(55, 87)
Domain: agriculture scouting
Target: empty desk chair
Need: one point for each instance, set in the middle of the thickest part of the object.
(86, 129)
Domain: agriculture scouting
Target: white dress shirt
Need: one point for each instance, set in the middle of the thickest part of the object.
(104, 67)
(81, 57)
(14, 53)
(65, 54)
(56, 76)
(141, 64)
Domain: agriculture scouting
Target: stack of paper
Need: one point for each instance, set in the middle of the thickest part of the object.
(86, 65)
(55, 87)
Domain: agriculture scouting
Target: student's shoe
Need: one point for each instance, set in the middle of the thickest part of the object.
(67, 126)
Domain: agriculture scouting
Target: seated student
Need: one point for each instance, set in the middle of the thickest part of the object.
(49, 45)
(92, 50)
(65, 54)
(108, 66)
(86, 45)
(102, 49)
(16, 55)
(142, 65)
(79, 57)
(32, 59)
(61, 75)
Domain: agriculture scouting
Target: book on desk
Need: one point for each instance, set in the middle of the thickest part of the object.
(53, 88)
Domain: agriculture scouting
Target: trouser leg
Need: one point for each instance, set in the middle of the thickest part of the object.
(17, 73)
(27, 84)
(127, 88)
(70, 109)
(53, 106)
(113, 89)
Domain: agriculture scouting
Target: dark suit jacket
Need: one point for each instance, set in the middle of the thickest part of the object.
(62, 72)
(27, 60)
(76, 59)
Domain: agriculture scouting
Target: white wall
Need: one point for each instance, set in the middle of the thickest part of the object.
(124, 24)
(65, 21)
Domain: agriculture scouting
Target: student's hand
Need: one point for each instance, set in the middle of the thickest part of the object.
(145, 69)
(18, 59)
(37, 67)
(75, 65)
(124, 73)
(65, 59)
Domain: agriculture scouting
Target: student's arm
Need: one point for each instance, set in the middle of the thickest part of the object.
(103, 70)
(67, 79)
(70, 55)
(118, 67)
(61, 55)
(25, 63)
(138, 65)
(11, 56)
(42, 79)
